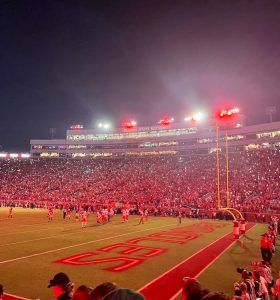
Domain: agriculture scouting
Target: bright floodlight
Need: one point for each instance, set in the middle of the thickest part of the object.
(198, 117)
(104, 125)
(195, 117)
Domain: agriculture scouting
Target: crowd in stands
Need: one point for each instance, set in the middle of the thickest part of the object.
(162, 184)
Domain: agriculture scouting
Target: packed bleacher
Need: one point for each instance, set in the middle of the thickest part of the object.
(163, 182)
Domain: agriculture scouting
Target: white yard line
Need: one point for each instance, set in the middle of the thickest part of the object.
(78, 245)
(54, 228)
(41, 229)
(53, 236)
(89, 229)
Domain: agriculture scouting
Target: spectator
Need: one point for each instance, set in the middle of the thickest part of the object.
(61, 286)
(244, 292)
(265, 271)
(237, 292)
(123, 294)
(164, 185)
(258, 285)
(215, 296)
(263, 283)
(102, 290)
(191, 290)
(1, 292)
(250, 287)
(82, 293)
(277, 288)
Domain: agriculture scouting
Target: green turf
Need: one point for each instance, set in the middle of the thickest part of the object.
(29, 233)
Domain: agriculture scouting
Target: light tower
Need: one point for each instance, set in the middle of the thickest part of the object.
(226, 116)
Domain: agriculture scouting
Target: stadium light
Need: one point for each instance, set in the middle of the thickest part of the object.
(226, 113)
(197, 117)
(76, 127)
(129, 124)
(166, 121)
(104, 125)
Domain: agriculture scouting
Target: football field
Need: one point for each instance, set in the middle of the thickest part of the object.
(151, 257)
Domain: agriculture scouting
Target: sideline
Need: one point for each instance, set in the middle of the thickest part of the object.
(177, 272)
(13, 297)
(211, 263)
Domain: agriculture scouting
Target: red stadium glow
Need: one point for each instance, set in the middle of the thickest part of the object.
(165, 121)
(14, 155)
(228, 112)
(129, 124)
(76, 127)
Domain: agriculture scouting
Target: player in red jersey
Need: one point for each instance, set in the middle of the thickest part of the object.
(98, 218)
(146, 214)
(10, 214)
(104, 215)
(111, 214)
(126, 214)
(84, 218)
(141, 217)
(123, 215)
(50, 214)
(68, 213)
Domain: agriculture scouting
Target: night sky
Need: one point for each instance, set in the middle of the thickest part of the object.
(66, 62)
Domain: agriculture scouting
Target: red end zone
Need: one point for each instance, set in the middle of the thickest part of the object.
(168, 285)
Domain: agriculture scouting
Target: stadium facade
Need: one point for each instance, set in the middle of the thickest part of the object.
(156, 140)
